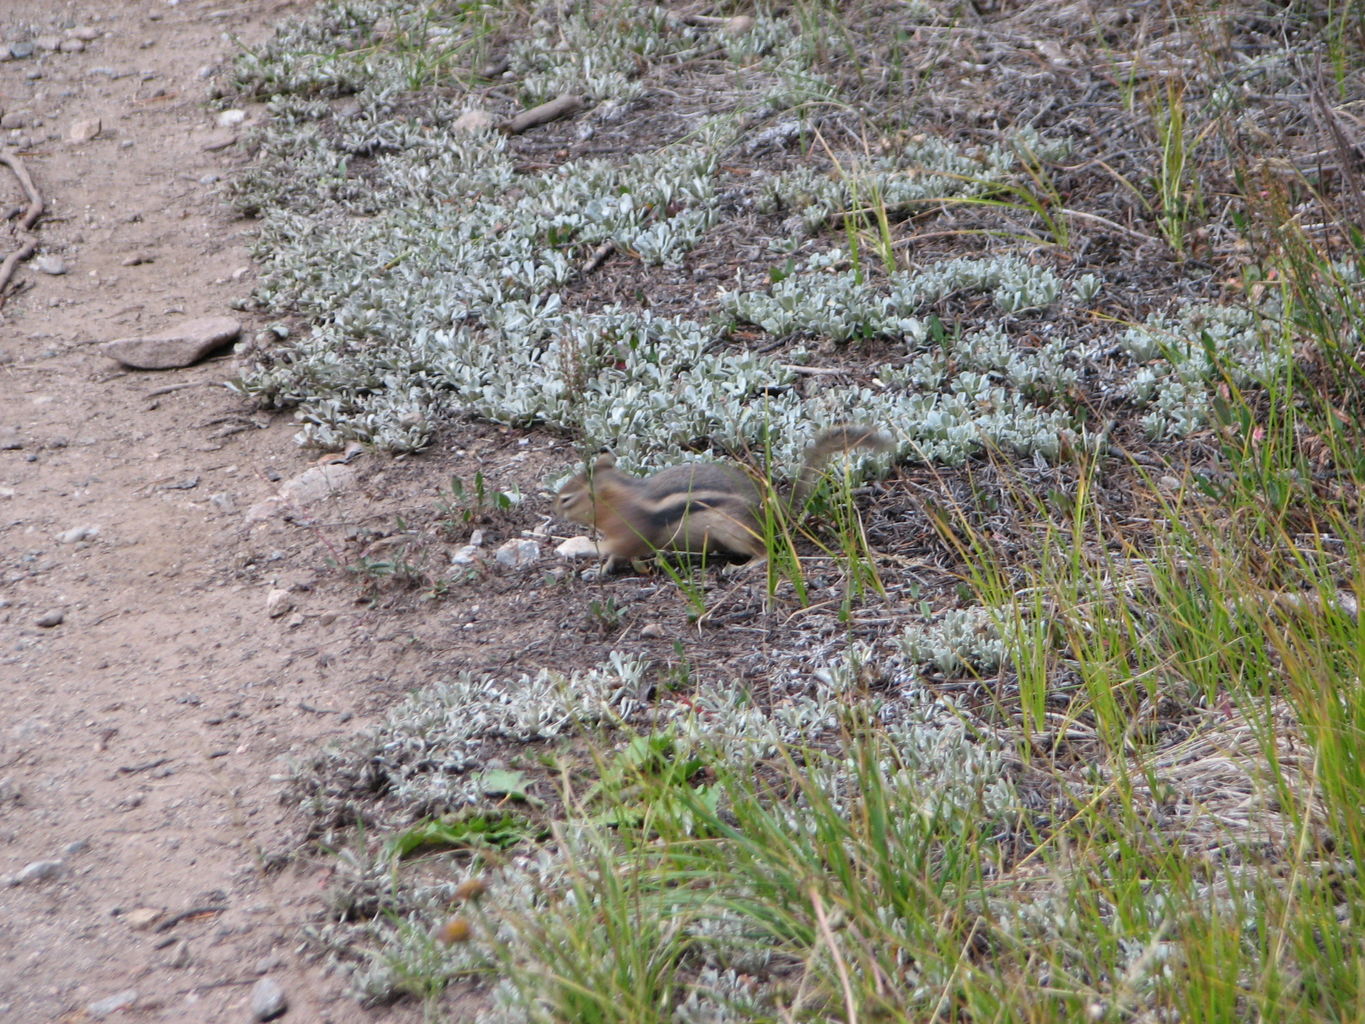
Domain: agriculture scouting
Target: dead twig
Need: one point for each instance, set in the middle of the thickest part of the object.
(560, 106)
(35, 200)
(598, 257)
(26, 222)
(13, 260)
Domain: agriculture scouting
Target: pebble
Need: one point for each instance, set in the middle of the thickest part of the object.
(38, 871)
(473, 121)
(180, 956)
(577, 547)
(267, 1000)
(277, 602)
(77, 534)
(112, 1004)
(218, 140)
(516, 554)
(13, 120)
(231, 118)
(48, 42)
(85, 33)
(50, 264)
(49, 619)
(466, 555)
(20, 50)
(72, 46)
(84, 131)
(141, 918)
(179, 346)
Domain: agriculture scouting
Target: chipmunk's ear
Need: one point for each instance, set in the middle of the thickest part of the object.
(604, 461)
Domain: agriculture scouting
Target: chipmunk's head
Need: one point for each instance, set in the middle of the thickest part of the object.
(577, 498)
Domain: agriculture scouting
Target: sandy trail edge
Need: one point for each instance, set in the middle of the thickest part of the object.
(139, 736)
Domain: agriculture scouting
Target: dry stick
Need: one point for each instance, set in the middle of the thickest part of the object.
(598, 257)
(35, 201)
(560, 106)
(35, 210)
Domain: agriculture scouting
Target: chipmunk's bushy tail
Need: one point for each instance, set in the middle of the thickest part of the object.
(844, 438)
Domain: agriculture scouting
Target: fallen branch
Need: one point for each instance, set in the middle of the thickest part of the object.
(560, 106)
(598, 257)
(35, 201)
(13, 260)
(30, 217)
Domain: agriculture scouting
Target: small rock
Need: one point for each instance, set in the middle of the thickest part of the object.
(737, 25)
(473, 121)
(516, 554)
(10, 441)
(277, 602)
(180, 346)
(230, 118)
(577, 547)
(48, 42)
(72, 46)
(76, 846)
(49, 619)
(208, 179)
(20, 50)
(13, 120)
(112, 1004)
(652, 630)
(310, 486)
(141, 918)
(467, 555)
(84, 131)
(38, 871)
(77, 534)
(137, 259)
(50, 264)
(180, 956)
(215, 141)
(267, 1000)
(85, 33)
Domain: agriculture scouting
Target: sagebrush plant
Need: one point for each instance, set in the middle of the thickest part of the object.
(1111, 769)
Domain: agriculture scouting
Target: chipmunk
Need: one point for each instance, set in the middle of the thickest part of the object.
(695, 508)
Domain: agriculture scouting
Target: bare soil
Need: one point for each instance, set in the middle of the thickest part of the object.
(139, 736)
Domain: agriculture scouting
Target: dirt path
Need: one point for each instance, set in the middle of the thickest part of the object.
(138, 736)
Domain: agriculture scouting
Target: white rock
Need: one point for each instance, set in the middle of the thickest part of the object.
(517, 554)
(215, 141)
(72, 46)
(578, 547)
(38, 871)
(277, 602)
(230, 118)
(179, 346)
(50, 264)
(267, 999)
(473, 121)
(466, 555)
(85, 33)
(77, 534)
(101, 1008)
(84, 131)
